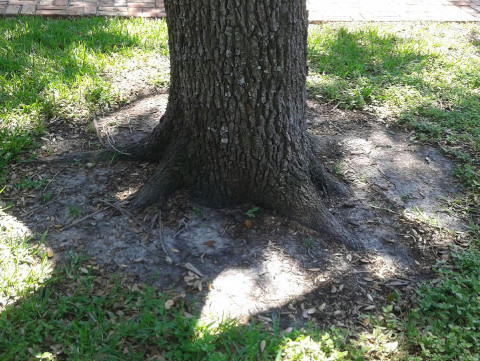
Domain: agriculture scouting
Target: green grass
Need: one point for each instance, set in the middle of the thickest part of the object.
(77, 315)
(53, 68)
(446, 324)
(425, 76)
(23, 261)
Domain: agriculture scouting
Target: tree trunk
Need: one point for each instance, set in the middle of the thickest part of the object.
(235, 128)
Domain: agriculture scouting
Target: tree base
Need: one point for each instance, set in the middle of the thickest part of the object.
(302, 202)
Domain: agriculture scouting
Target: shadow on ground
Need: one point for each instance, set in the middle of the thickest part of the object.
(271, 269)
(276, 271)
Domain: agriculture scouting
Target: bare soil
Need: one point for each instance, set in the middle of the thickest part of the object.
(275, 269)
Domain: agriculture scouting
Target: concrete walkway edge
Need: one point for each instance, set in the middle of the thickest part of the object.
(319, 10)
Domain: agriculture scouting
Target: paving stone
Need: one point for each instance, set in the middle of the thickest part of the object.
(77, 10)
(113, 8)
(28, 9)
(146, 12)
(82, 3)
(319, 10)
(52, 7)
(90, 10)
(141, 5)
(22, 2)
(12, 9)
(112, 11)
(51, 12)
(112, 3)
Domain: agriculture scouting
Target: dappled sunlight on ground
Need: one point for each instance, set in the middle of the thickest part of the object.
(241, 292)
(24, 262)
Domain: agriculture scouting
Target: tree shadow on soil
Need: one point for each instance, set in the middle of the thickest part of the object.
(276, 271)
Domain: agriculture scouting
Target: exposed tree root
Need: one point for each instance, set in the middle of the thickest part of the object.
(154, 145)
(325, 182)
(303, 204)
(167, 178)
(308, 208)
(323, 221)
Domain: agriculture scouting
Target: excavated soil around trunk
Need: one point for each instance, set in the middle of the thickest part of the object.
(267, 266)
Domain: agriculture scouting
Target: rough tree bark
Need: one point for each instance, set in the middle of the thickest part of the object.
(234, 129)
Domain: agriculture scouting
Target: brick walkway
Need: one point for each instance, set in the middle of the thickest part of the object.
(320, 10)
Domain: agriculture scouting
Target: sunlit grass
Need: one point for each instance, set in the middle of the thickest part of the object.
(63, 69)
(83, 316)
(24, 265)
(422, 75)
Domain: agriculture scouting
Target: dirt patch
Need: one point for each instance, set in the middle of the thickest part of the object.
(277, 269)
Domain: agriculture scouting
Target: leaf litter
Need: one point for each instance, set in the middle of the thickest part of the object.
(238, 266)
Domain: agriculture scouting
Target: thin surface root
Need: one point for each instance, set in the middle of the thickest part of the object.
(166, 179)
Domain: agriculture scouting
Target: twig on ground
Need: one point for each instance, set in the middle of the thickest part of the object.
(386, 177)
(160, 223)
(116, 206)
(95, 124)
(51, 180)
(86, 217)
(111, 141)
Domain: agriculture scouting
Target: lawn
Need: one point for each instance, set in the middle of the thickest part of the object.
(420, 78)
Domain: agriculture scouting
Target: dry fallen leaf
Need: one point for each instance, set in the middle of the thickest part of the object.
(322, 307)
(157, 358)
(391, 346)
(169, 304)
(366, 321)
(262, 345)
(83, 270)
(209, 243)
(192, 268)
(248, 223)
(264, 318)
(50, 252)
(174, 250)
(198, 284)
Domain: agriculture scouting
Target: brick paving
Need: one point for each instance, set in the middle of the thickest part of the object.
(319, 10)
